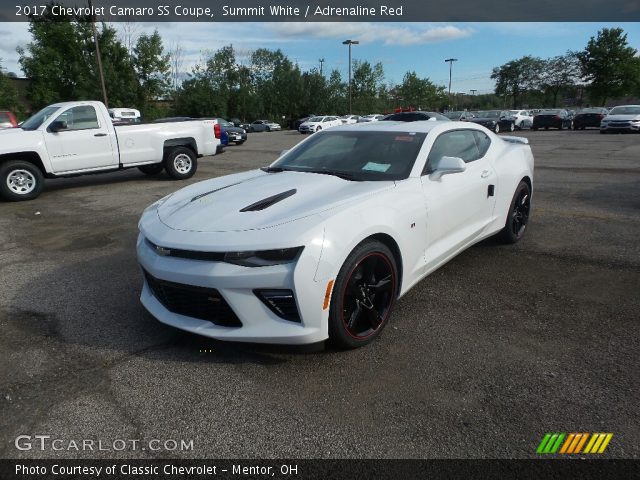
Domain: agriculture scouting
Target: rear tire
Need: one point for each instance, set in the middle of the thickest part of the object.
(20, 181)
(518, 216)
(153, 169)
(363, 295)
(180, 163)
(497, 128)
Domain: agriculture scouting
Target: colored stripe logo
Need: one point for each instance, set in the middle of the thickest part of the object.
(573, 443)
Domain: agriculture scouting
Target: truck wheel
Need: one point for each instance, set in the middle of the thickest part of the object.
(20, 180)
(152, 169)
(180, 163)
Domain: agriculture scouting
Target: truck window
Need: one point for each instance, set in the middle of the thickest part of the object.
(82, 117)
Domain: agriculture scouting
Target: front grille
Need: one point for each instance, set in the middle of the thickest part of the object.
(191, 301)
(619, 124)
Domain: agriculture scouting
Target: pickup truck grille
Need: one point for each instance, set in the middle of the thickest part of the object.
(192, 301)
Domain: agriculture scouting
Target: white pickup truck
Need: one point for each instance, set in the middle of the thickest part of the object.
(78, 138)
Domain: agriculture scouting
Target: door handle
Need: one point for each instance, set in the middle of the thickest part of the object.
(100, 135)
(484, 174)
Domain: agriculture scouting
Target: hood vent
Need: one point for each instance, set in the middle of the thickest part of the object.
(267, 202)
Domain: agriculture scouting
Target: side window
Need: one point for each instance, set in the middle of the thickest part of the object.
(482, 141)
(80, 118)
(458, 143)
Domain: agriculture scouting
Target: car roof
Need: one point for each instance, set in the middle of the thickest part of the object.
(421, 126)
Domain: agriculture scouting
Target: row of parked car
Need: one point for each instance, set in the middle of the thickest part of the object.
(618, 119)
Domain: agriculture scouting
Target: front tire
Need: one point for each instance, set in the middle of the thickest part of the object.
(20, 181)
(363, 295)
(497, 128)
(518, 216)
(153, 169)
(512, 127)
(180, 163)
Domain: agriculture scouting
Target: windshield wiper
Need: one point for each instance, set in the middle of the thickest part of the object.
(336, 173)
(272, 169)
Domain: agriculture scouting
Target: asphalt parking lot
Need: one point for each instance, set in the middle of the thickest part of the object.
(481, 359)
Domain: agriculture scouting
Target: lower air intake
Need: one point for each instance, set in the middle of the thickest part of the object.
(280, 302)
(191, 301)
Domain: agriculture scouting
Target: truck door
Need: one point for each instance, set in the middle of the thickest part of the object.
(84, 144)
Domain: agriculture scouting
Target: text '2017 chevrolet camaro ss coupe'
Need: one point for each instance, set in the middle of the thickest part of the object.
(320, 244)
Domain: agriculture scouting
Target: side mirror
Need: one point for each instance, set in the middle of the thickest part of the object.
(58, 126)
(448, 165)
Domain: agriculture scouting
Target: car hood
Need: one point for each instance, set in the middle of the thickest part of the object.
(19, 140)
(622, 117)
(256, 200)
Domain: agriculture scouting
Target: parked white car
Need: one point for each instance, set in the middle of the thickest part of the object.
(78, 138)
(323, 242)
(623, 118)
(374, 117)
(522, 118)
(315, 124)
(349, 119)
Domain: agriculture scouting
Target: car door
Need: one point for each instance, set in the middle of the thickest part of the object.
(85, 143)
(460, 205)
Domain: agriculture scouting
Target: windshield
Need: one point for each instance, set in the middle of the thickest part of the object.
(490, 114)
(315, 119)
(453, 115)
(33, 123)
(549, 112)
(591, 110)
(356, 155)
(630, 110)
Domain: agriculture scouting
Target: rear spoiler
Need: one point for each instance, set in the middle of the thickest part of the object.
(520, 140)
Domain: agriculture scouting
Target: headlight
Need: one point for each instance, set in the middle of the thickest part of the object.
(263, 258)
(244, 131)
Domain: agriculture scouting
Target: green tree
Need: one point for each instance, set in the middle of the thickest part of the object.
(61, 63)
(8, 94)
(558, 74)
(610, 65)
(365, 87)
(420, 92)
(153, 68)
(515, 78)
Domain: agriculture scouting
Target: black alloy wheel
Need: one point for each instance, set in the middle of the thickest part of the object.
(518, 216)
(363, 295)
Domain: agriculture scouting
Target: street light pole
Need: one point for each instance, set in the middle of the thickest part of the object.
(321, 60)
(450, 62)
(350, 42)
(98, 57)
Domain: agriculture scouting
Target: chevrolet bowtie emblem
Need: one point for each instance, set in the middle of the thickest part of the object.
(165, 252)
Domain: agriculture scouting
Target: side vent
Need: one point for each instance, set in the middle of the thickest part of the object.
(267, 202)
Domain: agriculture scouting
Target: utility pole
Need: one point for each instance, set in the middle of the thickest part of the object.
(321, 60)
(350, 42)
(98, 57)
(450, 62)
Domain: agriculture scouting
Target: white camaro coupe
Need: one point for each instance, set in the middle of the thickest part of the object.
(320, 244)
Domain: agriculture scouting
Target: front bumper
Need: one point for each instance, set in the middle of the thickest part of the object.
(620, 126)
(236, 285)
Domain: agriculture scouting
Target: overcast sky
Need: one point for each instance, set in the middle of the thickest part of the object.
(400, 47)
